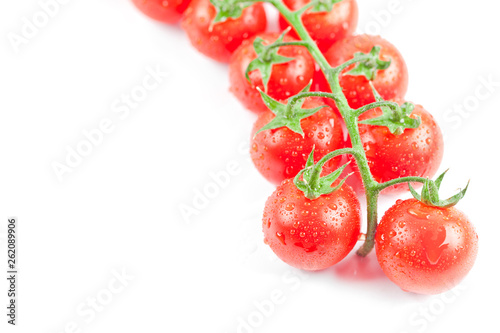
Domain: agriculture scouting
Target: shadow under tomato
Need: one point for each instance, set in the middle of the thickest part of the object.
(357, 268)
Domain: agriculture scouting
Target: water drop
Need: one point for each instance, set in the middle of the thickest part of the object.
(281, 237)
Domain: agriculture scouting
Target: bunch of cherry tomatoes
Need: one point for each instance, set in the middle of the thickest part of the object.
(422, 248)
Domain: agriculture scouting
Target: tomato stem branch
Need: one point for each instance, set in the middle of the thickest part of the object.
(358, 112)
(401, 180)
(296, 98)
(372, 219)
(276, 45)
(350, 116)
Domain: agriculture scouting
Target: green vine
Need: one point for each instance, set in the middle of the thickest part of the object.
(395, 117)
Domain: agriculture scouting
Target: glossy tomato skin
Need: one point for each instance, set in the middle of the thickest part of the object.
(416, 152)
(161, 10)
(423, 249)
(326, 28)
(286, 79)
(311, 234)
(220, 41)
(280, 153)
(390, 83)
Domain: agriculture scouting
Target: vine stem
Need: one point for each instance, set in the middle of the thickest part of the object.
(367, 107)
(350, 118)
(273, 46)
(326, 158)
(401, 180)
(294, 19)
(372, 188)
(296, 98)
(372, 219)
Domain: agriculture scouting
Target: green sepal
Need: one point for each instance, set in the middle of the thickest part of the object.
(324, 5)
(287, 115)
(369, 67)
(396, 122)
(312, 184)
(267, 56)
(228, 9)
(430, 193)
(306, 172)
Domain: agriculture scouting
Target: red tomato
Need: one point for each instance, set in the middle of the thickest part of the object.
(220, 41)
(287, 79)
(326, 28)
(416, 152)
(161, 10)
(280, 153)
(390, 83)
(311, 234)
(423, 249)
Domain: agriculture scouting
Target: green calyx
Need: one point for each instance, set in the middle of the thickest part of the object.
(287, 115)
(396, 120)
(267, 56)
(228, 9)
(324, 5)
(312, 184)
(370, 66)
(430, 193)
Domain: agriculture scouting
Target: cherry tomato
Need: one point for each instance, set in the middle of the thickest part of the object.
(222, 39)
(423, 249)
(390, 83)
(161, 10)
(280, 153)
(311, 234)
(326, 28)
(287, 79)
(416, 152)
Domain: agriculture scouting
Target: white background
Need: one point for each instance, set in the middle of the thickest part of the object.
(118, 210)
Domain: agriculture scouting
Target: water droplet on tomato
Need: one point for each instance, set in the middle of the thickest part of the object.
(281, 237)
(311, 249)
(434, 243)
(418, 213)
